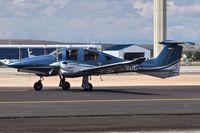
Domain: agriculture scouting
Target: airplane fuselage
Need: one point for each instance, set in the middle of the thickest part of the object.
(75, 59)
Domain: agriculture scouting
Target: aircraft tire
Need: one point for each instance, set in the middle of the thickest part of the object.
(38, 86)
(65, 85)
(90, 88)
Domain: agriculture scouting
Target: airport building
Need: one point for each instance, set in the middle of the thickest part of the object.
(17, 49)
(128, 52)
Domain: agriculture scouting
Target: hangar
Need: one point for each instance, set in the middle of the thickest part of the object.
(128, 52)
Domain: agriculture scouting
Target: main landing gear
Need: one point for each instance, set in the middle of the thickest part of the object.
(38, 85)
(86, 85)
(64, 84)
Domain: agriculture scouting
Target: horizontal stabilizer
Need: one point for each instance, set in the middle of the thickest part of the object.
(173, 42)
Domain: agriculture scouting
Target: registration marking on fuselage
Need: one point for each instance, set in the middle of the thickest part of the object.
(99, 101)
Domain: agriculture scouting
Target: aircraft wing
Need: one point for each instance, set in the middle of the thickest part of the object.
(41, 70)
(112, 68)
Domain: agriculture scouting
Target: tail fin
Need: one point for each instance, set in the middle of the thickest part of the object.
(167, 64)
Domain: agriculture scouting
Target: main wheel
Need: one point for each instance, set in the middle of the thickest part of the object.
(65, 85)
(38, 86)
(90, 88)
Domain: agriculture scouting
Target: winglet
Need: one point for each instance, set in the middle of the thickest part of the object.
(173, 42)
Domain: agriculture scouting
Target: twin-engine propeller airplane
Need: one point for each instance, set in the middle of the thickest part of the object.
(79, 62)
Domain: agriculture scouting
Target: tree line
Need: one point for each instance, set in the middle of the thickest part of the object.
(193, 56)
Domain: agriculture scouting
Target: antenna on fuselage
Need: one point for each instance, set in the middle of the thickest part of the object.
(56, 53)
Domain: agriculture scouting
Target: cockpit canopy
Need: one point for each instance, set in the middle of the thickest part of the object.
(75, 54)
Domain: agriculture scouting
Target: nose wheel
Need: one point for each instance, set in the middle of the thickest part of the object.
(38, 85)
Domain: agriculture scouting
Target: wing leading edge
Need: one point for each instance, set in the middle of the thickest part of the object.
(112, 68)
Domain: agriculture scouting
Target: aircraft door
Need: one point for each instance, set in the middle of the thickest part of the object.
(72, 55)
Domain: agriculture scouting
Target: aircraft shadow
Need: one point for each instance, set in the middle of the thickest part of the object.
(103, 90)
(124, 92)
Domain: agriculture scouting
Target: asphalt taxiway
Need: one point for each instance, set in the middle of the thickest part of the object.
(104, 109)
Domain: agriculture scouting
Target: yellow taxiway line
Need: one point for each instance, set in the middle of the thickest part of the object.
(100, 101)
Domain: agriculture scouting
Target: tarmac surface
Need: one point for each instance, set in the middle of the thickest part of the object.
(125, 108)
(127, 102)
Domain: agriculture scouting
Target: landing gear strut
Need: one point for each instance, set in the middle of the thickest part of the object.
(64, 84)
(38, 85)
(86, 85)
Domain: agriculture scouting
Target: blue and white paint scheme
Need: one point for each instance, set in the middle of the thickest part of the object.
(79, 62)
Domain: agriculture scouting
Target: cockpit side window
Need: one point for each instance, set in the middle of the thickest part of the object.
(72, 54)
(90, 55)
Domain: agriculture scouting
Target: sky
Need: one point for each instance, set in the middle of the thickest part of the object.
(105, 21)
